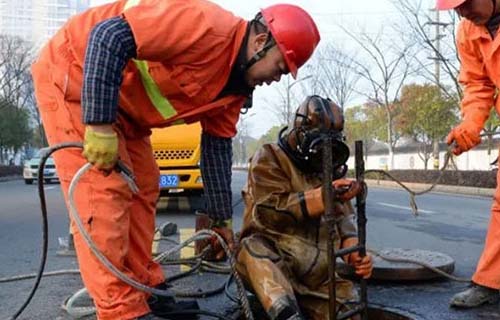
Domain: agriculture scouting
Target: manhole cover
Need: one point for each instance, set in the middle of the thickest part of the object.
(388, 265)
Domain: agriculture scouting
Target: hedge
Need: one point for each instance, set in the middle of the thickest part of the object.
(480, 179)
(10, 171)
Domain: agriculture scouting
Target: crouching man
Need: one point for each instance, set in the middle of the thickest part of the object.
(282, 256)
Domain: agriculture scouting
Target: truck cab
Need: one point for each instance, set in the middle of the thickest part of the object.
(177, 151)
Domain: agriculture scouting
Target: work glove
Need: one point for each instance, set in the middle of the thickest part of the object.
(464, 137)
(101, 148)
(363, 266)
(225, 229)
(343, 191)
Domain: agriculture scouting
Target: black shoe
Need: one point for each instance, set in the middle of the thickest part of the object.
(168, 307)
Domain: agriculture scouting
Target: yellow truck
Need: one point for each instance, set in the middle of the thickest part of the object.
(177, 152)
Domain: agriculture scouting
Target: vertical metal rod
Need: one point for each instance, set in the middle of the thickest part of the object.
(330, 219)
(361, 217)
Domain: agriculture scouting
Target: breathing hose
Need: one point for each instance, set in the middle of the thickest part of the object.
(129, 178)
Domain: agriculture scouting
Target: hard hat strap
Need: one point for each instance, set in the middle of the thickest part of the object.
(270, 42)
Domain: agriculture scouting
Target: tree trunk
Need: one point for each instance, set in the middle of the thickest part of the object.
(435, 154)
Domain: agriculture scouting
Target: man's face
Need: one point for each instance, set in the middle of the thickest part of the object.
(268, 69)
(477, 11)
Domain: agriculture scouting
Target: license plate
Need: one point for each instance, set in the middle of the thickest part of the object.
(169, 180)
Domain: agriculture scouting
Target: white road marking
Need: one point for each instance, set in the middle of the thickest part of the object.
(404, 208)
(186, 252)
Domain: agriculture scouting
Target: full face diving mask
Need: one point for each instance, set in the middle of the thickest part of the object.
(315, 118)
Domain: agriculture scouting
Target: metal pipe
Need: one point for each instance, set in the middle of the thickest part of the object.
(330, 219)
(361, 217)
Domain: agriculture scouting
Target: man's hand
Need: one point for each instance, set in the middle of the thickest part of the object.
(345, 189)
(225, 229)
(100, 146)
(465, 136)
(362, 265)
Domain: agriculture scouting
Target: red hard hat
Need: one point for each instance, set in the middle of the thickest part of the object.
(448, 4)
(294, 31)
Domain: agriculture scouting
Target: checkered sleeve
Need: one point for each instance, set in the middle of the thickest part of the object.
(111, 45)
(216, 159)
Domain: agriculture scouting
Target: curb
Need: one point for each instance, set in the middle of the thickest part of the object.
(474, 191)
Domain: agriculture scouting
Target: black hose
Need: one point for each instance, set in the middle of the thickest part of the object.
(44, 249)
(45, 224)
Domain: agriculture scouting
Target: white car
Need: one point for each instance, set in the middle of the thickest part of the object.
(30, 171)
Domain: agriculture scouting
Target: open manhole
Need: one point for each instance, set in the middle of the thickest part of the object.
(378, 313)
(393, 264)
(375, 312)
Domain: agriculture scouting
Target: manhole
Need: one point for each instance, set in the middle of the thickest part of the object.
(386, 267)
(375, 312)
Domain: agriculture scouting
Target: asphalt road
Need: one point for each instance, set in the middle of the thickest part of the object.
(455, 225)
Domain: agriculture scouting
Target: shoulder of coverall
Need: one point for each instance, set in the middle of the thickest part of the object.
(468, 31)
(271, 159)
(167, 29)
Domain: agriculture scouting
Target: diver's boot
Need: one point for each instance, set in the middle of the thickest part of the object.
(475, 296)
(285, 308)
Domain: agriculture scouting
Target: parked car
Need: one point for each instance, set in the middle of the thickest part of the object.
(30, 171)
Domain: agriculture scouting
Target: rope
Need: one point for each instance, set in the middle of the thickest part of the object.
(413, 194)
(33, 275)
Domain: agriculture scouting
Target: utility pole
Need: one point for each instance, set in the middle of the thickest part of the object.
(437, 74)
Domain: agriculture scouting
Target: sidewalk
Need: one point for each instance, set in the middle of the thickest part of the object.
(9, 178)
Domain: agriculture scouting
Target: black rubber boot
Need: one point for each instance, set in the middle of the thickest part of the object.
(169, 308)
(149, 316)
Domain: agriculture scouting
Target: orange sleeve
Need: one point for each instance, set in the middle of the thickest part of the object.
(223, 123)
(163, 30)
(479, 90)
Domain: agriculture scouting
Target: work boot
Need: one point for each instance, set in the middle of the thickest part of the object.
(475, 296)
(149, 316)
(169, 308)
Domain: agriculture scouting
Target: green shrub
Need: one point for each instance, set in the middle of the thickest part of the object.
(10, 171)
(480, 179)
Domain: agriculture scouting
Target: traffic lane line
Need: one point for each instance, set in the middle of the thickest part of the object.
(390, 205)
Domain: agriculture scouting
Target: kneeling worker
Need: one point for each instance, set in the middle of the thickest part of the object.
(283, 256)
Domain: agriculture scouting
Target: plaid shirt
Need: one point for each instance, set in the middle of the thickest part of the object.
(111, 45)
(216, 159)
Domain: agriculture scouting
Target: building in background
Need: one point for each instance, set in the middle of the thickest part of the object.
(37, 20)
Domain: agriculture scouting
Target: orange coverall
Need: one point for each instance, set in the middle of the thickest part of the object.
(190, 47)
(480, 75)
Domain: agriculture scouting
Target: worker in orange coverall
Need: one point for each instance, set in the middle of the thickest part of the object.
(113, 72)
(283, 256)
(478, 48)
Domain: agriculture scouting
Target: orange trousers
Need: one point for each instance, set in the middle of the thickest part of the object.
(120, 223)
(488, 268)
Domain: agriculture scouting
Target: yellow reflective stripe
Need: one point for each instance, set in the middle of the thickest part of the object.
(162, 105)
(130, 4)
